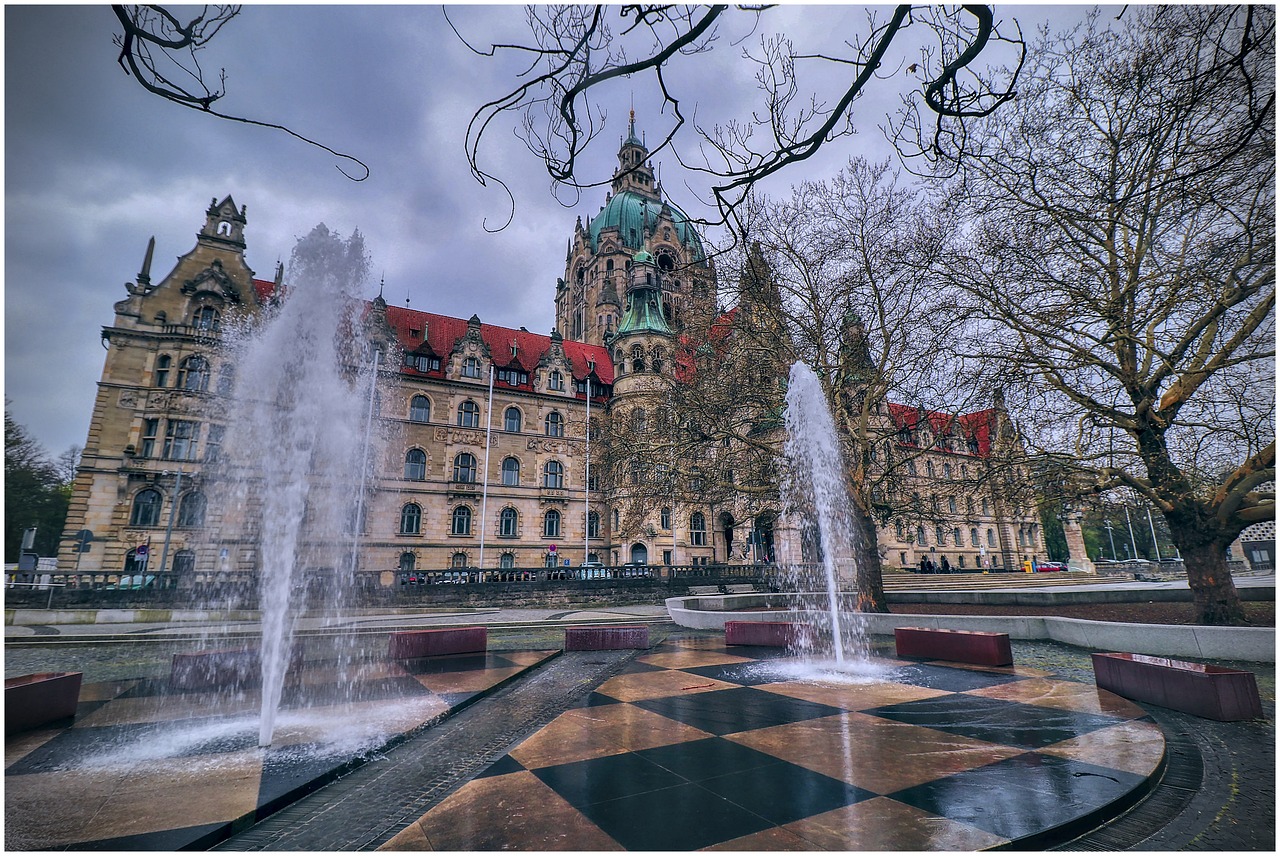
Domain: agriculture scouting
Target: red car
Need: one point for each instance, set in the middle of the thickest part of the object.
(1051, 566)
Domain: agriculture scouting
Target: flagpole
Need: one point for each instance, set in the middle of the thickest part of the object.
(484, 500)
(586, 485)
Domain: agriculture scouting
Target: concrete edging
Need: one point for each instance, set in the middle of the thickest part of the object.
(1251, 644)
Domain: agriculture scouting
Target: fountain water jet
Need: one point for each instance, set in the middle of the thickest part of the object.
(814, 485)
(296, 429)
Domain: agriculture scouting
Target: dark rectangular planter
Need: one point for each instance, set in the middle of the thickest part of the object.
(410, 644)
(770, 634)
(1213, 692)
(34, 700)
(962, 646)
(606, 638)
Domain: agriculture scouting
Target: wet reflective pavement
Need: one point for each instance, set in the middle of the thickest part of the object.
(144, 767)
(699, 746)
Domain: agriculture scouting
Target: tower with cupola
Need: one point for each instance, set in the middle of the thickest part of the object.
(591, 298)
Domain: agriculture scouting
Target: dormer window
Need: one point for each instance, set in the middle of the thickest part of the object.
(206, 319)
(555, 381)
(415, 333)
(471, 367)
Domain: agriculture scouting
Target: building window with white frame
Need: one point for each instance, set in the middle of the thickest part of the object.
(461, 521)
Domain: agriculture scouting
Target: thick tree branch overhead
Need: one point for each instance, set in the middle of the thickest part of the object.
(160, 49)
(806, 98)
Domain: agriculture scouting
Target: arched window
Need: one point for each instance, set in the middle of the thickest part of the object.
(951, 504)
(461, 521)
(464, 468)
(191, 509)
(510, 472)
(666, 517)
(468, 415)
(928, 468)
(946, 471)
(408, 561)
(459, 560)
(163, 362)
(146, 508)
(193, 374)
(991, 537)
(507, 560)
(593, 524)
(973, 536)
(901, 531)
(420, 409)
(207, 319)
(184, 561)
(555, 424)
(411, 519)
(226, 378)
(508, 522)
(415, 465)
(555, 380)
(697, 529)
(941, 535)
(920, 537)
(956, 537)
(639, 422)
(511, 419)
(471, 367)
(553, 475)
(986, 509)
(551, 524)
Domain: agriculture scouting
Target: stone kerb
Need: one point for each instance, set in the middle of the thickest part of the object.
(1251, 644)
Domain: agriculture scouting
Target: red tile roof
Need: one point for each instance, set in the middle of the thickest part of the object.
(443, 331)
(264, 289)
(979, 425)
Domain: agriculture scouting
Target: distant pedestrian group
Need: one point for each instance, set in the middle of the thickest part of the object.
(928, 566)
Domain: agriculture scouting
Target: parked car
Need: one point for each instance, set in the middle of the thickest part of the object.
(1051, 566)
(590, 571)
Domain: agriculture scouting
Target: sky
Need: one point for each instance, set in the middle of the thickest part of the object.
(95, 166)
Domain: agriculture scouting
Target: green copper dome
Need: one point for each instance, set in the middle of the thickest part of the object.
(644, 314)
(643, 257)
(626, 212)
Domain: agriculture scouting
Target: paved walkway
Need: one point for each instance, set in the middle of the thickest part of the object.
(1219, 793)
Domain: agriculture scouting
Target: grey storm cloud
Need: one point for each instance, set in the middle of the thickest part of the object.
(95, 166)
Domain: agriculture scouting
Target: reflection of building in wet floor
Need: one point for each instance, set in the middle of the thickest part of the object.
(696, 746)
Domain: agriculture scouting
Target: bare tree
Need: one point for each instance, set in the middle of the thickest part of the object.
(807, 96)
(160, 48)
(1120, 261)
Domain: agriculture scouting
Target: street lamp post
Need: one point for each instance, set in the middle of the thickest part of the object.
(168, 532)
(1113, 540)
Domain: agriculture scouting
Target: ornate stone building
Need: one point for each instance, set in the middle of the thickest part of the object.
(471, 482)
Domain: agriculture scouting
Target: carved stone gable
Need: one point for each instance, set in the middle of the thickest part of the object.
(213, 279)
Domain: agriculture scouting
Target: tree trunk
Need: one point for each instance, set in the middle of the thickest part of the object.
(1212, 589)
(870, 579)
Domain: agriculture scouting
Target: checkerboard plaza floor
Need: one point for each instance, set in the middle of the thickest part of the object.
(699, 746)
(146, 768)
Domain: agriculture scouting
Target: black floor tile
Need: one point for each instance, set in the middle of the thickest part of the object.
(505, 764)
(951, 680)
(1021, 796)
(185, 838)
(742, 674)
(785, 792)
(582, 783)
(595, 699)
(734, 710)
(995, 720)
(683, 817)
(706, 759)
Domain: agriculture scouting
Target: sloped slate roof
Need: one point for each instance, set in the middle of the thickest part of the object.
(443, 331)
